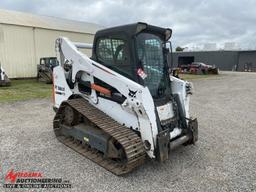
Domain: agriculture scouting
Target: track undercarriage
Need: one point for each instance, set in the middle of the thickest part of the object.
(98, 137)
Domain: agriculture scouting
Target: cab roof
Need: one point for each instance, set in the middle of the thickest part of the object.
(133, 29)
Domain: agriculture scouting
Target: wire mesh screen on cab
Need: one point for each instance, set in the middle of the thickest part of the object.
(114, 54)
(150, 54)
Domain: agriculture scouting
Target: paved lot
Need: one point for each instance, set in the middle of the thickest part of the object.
(224, 159)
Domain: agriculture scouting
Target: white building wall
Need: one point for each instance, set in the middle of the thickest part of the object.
(17, 53)
(21, 47)
(45, 41)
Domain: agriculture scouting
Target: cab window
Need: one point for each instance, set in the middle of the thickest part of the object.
(113, 53)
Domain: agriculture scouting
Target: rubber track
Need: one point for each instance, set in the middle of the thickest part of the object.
(130, 141)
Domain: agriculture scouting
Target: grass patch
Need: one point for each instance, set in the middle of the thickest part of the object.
(32, 89)
(25, 90)
(192, 77)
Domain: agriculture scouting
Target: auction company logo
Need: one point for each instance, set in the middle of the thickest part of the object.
(30, 179)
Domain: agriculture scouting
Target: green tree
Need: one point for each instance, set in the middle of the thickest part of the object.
(179, 48)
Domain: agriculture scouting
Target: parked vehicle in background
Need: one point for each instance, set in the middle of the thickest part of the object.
(199, 68)
(4, 80)
(45, 67)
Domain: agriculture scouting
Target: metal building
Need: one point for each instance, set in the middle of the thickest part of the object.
(242, 60)
(24, 38)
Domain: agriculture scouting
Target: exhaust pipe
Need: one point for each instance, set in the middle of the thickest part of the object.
(178, 142)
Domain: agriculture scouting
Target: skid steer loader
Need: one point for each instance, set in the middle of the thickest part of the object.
(4, 80)
(44, 69)
(121, 105)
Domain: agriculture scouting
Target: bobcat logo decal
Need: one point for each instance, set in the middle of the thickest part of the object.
(132, 93)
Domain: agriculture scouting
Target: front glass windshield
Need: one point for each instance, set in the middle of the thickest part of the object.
(151, 61)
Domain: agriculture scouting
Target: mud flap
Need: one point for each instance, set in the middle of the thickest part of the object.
(163, 140)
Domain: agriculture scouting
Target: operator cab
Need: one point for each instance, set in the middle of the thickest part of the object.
(49, 62)
(136, 51)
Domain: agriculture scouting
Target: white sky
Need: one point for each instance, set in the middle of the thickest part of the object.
(192, 21)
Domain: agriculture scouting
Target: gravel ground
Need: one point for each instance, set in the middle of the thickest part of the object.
(222, 160)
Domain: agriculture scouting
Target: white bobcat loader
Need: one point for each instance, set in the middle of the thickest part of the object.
(121, 105)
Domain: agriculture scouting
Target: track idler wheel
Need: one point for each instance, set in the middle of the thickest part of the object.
(71, 117)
